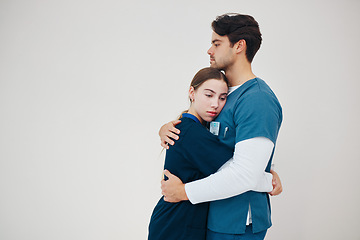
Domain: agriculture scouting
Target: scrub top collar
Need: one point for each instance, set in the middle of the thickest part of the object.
(188, 115)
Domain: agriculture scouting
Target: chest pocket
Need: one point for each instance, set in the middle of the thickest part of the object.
(227, 135)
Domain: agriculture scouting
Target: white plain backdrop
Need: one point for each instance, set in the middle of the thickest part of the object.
(85, 86)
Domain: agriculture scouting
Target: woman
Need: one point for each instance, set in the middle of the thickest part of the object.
(197, 154)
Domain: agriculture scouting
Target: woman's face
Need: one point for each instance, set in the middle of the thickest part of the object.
(208, 99)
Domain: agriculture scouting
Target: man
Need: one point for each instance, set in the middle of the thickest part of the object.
(251, 121)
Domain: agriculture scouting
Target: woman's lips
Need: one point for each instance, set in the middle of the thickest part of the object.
(212, 113)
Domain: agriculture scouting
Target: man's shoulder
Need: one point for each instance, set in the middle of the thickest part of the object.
(251, 88)
(258, 91)
(257, 98)
(259, 86)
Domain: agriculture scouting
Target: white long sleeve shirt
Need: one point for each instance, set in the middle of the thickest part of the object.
(244, 172)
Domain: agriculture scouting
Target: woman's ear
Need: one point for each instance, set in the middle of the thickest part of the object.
(191, 93)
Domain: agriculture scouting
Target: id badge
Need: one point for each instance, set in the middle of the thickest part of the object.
(214, 128)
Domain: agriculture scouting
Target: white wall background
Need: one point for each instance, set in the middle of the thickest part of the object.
(85, 86)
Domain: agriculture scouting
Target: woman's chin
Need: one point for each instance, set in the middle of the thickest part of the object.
(209, 119)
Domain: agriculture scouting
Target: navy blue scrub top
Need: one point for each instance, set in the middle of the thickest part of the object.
(196, 155)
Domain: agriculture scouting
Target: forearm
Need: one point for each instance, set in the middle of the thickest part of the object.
(243, 173)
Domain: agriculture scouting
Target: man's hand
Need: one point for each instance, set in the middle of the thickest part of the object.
(173, 189)
(167, 132)
(277, 187)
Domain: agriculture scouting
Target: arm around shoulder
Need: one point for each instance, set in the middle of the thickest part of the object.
(168, 132)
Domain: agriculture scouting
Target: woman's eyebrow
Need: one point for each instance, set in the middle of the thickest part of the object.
(209, 90)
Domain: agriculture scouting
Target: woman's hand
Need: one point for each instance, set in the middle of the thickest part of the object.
(167, 132)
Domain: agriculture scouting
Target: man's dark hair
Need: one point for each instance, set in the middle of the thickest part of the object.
(237, 27)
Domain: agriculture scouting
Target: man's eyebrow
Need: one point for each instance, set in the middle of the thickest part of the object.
(215, 40)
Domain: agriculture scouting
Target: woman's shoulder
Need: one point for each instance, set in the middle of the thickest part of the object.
(191, 129)
(187, 124)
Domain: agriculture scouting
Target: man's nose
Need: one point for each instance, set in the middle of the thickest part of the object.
(210, 52)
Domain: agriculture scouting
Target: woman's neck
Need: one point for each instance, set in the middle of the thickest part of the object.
(193, 112)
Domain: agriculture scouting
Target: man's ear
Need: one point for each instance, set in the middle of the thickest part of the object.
(240, 46)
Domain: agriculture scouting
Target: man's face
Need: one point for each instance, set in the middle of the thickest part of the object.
(221, 54)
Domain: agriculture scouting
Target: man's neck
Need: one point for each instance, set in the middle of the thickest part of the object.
(239, 74)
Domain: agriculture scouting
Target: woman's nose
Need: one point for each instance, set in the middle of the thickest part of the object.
(215, 104)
